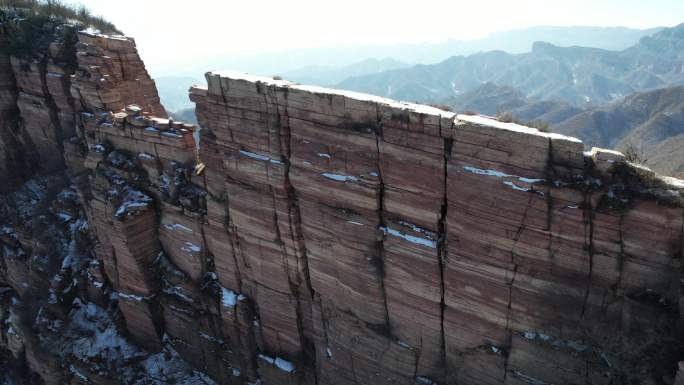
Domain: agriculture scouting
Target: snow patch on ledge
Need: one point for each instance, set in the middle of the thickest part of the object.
(410, 238)
(228, 297)
(132, 297)
(491, 122)
(178, 226)
(280, 363)
(237, 75)
(424, 381)
(92, 31)
(340, 177)
(260, 157)
(133, 202)
(502, 175)
(190, 247)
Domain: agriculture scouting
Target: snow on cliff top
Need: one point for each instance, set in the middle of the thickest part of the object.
(414, 107)
(487, 121)
(419, 108)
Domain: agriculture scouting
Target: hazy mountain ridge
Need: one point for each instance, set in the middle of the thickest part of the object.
(327, 75)
(332, 65)
(581, 76)
(512, 41)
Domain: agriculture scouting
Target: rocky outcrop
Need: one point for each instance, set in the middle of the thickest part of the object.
(49, 72)
(330, 237)
(111, 75)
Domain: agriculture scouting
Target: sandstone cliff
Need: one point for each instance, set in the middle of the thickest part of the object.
(331, 238)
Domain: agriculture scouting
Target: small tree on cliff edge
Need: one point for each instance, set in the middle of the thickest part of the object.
(59, 10)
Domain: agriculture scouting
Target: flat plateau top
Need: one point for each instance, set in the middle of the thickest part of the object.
(413, 107)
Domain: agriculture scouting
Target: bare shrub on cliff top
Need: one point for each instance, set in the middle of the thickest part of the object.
(507, 117)
(443, 107)
(635, 154)
(58, 10)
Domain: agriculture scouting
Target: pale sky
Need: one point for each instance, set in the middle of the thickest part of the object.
(199, 28)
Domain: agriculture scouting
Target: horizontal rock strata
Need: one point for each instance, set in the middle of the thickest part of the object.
(410, 244)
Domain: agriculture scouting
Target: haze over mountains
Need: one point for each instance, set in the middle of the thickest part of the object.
(331, 65)
(581, 76)
(611, 87)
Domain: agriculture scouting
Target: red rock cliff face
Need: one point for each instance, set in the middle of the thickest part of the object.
(389, 243)
(339, 238)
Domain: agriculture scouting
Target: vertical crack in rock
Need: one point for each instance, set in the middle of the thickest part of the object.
(53, 110)
(550, 178)
(417, 354)
(227, 111)
(442, 248)
(589, 222)
(508, 320)
(381, 219)
(229, 228)
(512, 281)
(285, 143)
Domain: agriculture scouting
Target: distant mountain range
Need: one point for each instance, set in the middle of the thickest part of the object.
(328, 75)
(331, 65)
(513, 41)
(579, 76)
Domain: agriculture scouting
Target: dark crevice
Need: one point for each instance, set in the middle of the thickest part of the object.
(285, 144)
(442, 248)
(207, 262)
(231, 231)
(417, 353)
(550, 175)
(589, 222)
(509, 342)
(550, 178)
(380, 264)
(53, 110)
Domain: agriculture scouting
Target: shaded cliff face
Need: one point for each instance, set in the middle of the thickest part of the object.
(331, 238)
(61, 321)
